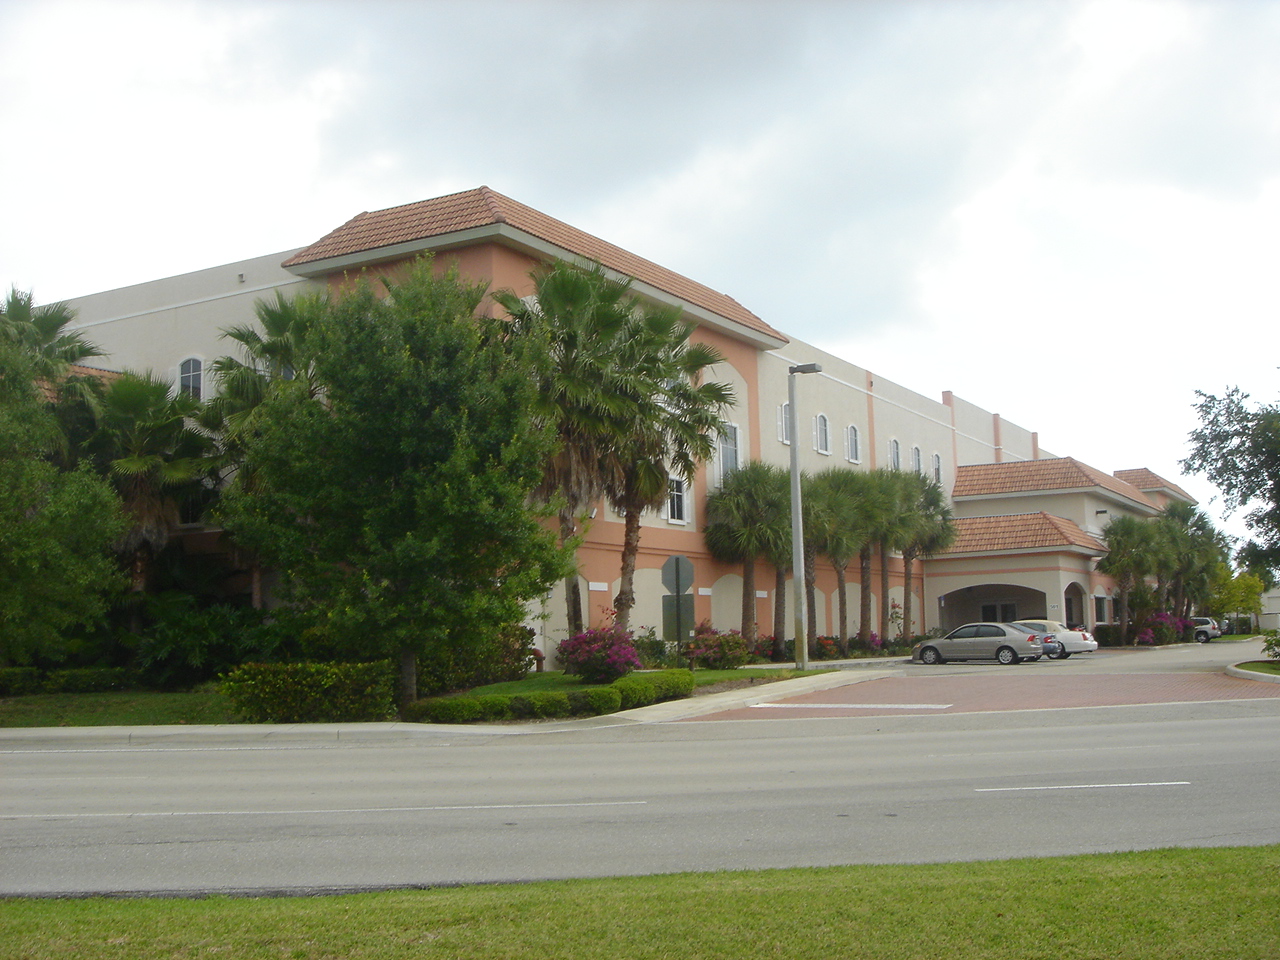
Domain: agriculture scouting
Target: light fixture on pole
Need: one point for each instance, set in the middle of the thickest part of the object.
(797, 517)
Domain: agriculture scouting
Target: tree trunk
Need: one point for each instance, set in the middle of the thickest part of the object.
(842, 604)
(1122, 614)
(884, 593)
(408, 691)
(779, 615)
(572, 588)
(864, 598)
(908, 558)
(810, 599)
(749, 631)
(626, 598)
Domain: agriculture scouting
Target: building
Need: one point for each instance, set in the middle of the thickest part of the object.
(1028, 536)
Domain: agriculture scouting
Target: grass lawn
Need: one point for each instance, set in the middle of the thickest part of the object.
(1262, 666)
(1157, 905)
(554, 680)
(127, 708)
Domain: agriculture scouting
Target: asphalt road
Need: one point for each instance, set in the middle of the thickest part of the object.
(246, 813)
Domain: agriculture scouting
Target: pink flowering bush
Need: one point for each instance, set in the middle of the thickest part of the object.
(718, 651)
(599, 655)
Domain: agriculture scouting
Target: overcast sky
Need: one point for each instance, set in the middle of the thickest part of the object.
(1065, 212)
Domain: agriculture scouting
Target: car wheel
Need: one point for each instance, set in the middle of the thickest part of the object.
(930, 656)
(1063, 655)
(1056, 651)
(1006, 655)
(1202, 638)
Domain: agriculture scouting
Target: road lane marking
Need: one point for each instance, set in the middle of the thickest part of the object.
(852, 706)
(294, 813)
(1085, 786)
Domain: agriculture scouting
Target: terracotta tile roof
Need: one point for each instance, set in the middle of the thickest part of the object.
(482, 207)
(78, 370)
(1036, 476)
(1024, 531)
(1145, 480)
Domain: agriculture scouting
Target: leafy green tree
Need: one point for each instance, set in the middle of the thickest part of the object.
(929, 530)
(749, 517)
(676, 419)
(1237, 447)
(1189, 549)
(590, 398)
(56, 527)
(395, 502)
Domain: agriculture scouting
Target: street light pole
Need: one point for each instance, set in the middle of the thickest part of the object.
(797, 517)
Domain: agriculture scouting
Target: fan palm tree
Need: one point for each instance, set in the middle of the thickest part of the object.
(747, 518)
(156, 458)
(677, 421)
(42, 333)
(583, 316)
(842, 525)
(1130, 559)
(930, 529)
(881, 517)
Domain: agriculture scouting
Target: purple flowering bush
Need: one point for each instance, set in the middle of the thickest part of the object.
(599, 655)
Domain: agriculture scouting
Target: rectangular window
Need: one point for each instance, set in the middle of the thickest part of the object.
(1100, 609)
(728, 450)
(784, 423)
(675, 500)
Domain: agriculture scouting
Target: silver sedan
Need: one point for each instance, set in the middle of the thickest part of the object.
(1003, 642)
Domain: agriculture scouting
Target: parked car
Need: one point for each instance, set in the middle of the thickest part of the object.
(1005, 642)
(1206, 629)
(1063, 641)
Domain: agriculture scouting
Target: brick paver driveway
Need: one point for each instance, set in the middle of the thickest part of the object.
(1040, 686)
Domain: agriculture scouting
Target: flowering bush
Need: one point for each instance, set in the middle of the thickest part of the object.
(718, 651)
(599, 655)
(1271, 646)
(1145, 637)
(1165, 628)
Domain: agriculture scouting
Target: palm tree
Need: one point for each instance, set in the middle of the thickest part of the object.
(583, 315)
(747, 518)
(1191, 549)
(41, 332)
(1130, 559)
(890, 530)
(155, 456)
(677, 421)
(930, 529)
(847, 506)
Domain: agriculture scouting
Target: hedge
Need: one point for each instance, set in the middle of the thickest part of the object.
(636, 690)
(312, 692)
(89, 680)
(19, 681)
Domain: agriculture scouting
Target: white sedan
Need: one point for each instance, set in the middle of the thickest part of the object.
(1062, 641)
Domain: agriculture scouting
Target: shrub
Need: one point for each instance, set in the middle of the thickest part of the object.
(594, 701)
(654, 652)
(186, 643)
(718, 651)
(494, 706)
(634, 692)
(1107, 634)
(19, 681)
(1271, 646)
(442, 710)
(88, 680)
(312, 692)
(599, 655)
(671, 684)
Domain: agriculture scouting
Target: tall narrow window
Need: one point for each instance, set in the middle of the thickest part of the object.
(851, 451)
(917, 464)
(784, 423)
(821, 434)
(728, 450)
(675, 500)
(190, 379)
(895, 455)
(937, 467)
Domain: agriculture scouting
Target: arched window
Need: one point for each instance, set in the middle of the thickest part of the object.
(821, 434)
(895, 455)
(937, 467)
(917, 464)
(191, 378)
(851, 451)
(728, 450)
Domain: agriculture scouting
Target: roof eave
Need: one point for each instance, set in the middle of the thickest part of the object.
(529, 243)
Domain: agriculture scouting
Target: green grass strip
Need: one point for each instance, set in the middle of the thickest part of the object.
(1197, 904)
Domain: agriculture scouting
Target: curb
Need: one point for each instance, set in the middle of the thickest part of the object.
(1238, 671)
